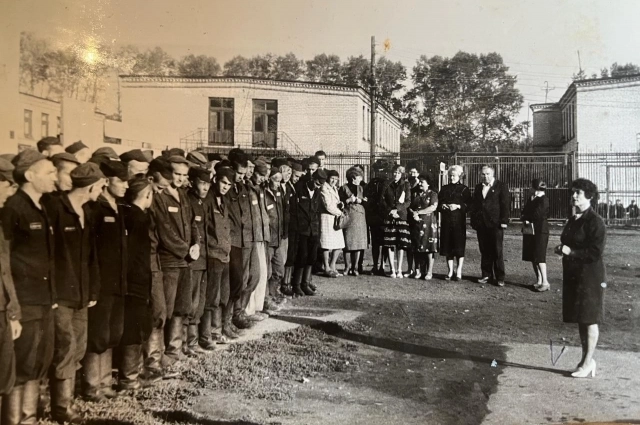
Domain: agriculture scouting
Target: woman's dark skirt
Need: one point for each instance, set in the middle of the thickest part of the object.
(534, 248)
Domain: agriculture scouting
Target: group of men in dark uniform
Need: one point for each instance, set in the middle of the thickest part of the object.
(135, 263)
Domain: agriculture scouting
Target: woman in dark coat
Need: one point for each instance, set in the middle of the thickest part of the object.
(424, 227)
(355, 235)
(453, 201)
(534, 247)
(583, 272)
(395, 200)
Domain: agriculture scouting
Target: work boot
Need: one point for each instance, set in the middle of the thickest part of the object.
(241, 321)
(152, 350)
(306, 282)
(192, 348)
(129, 369)
(106, 375)
(204, 330)
(228, 330)
(30, 398)
(12, 406)
(61, 401)
(92, 378)
(270, 306)
(216, 321)
(297, 280)
(174, 333)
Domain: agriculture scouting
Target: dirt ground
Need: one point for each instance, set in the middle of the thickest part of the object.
(418, 352)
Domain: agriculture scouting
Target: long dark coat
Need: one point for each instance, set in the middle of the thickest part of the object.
(534, 247)
(583, 271)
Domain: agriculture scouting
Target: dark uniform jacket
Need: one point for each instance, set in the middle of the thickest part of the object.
(174, 225)
(218, 229)
(8, 298)
(137, 223)
(111, 240)
(291, 211)
(493, 210)
(30, 235)
(275, 208)
(200, 217)
(77, 275)
(239, 206)
(258, 213)
(286, 199)
(308, 210)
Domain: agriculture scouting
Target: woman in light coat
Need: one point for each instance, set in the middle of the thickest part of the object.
(331, 240)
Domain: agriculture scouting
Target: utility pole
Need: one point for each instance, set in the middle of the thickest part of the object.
(547, 89)
(372, 93)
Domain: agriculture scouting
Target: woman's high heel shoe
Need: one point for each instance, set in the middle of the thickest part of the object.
(586, 371)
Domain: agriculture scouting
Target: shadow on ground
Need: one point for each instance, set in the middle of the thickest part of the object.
(181, 417)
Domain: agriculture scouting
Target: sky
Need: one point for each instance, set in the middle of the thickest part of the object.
(538, 39)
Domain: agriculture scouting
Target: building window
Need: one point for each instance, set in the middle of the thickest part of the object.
(28, 127)
(265, 123)
(221, 124)
(59, 126)
(44, 123)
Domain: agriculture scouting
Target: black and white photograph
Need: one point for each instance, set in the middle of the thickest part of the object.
(308, 212)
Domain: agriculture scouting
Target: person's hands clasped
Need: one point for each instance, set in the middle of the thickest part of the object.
(504, 226)
(194, 252)
(453, 207)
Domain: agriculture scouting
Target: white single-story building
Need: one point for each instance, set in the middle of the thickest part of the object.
(220, 112)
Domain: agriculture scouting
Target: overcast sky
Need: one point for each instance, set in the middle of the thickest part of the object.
(538, 39)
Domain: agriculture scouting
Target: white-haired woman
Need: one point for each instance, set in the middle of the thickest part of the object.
(453, 201)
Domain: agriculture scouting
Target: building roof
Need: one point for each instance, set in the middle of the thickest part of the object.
(591, 82)
(253, 80)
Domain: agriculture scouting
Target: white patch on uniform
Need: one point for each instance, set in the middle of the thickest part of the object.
(173, 209)
(109, 219)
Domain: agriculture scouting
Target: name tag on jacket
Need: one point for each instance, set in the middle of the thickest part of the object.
(198, 218)
(35, 226)
(270, 207)
(173, 209)
(109, 219)
(70, 229)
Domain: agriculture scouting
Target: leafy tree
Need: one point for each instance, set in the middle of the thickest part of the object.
(464, 103)
(262, 66)
(287, 67)
(604, 73)
(390, 77)
(324, 68)
(237, 66)
(32, 61)
(624, 70)
(198, 66)
(356, 72)
(154, 62)
(580, 75)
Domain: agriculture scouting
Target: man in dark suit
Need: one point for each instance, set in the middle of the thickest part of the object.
(489, 217)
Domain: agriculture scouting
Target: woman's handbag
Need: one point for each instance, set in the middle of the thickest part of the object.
(527, 229)
(343, 221)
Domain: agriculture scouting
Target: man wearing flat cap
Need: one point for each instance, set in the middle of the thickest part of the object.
(254, 294)
(136, 162)
(106, 319)
(10, 313)
(292, 215)
(197, 158)
(65, 163)
(49, 146)
(173, 220)
(105, 153)
(80, 151)
(197, 195)
(77, 281)
(27, 229)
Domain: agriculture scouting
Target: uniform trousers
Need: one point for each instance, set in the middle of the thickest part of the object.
(177, 291)
(106, 323)
(250, 277)
(157, 303)
(292, 248)
(70, 341)
(276, 260)
(490, 241)
(255, 300)
(307, 250)
(34, 349)
(139, 320)
(198, 295)
(7, 356)
(217, 294)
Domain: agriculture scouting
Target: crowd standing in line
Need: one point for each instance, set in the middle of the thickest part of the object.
(160, 259)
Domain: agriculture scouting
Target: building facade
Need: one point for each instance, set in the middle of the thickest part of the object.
(225, 112)
(598, 115)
